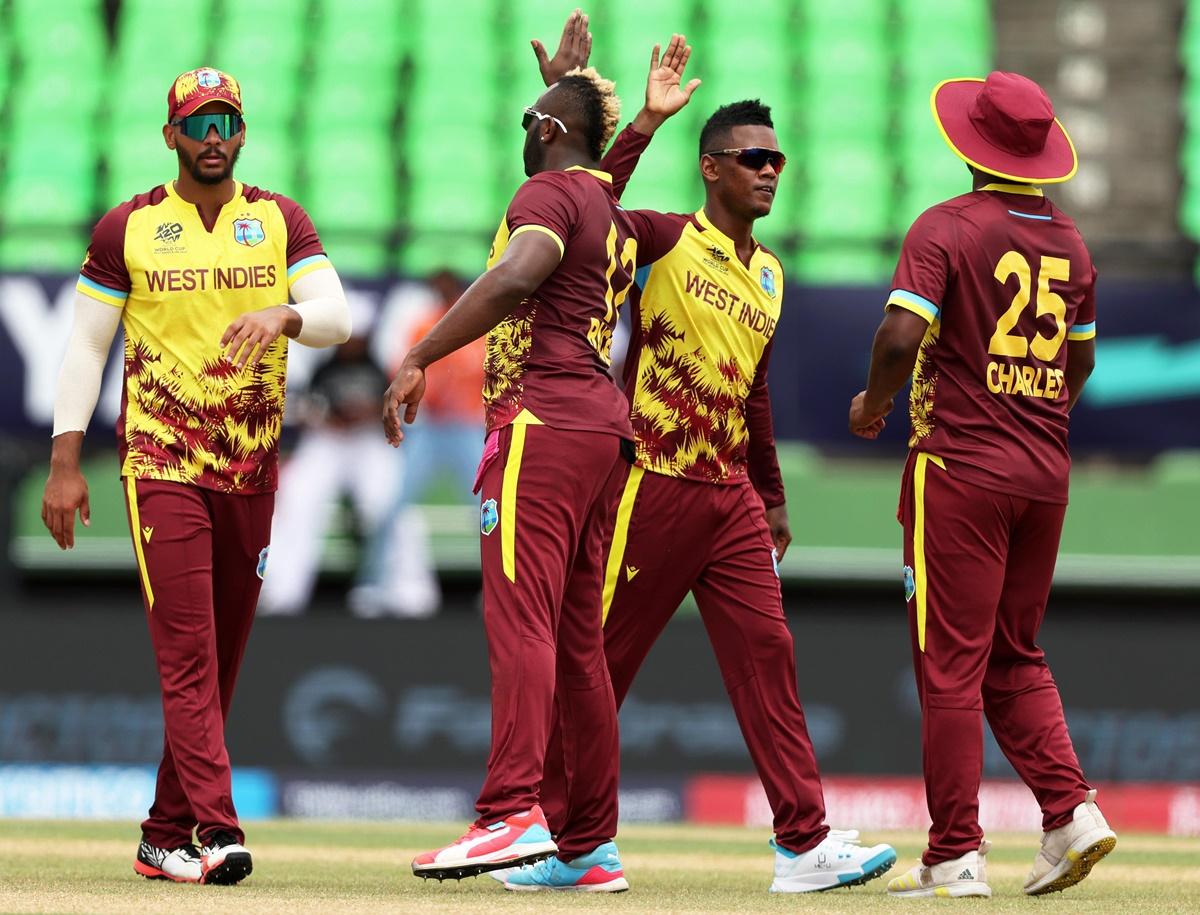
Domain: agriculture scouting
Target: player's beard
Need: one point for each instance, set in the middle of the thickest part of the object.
(192, 165)
(534, 154)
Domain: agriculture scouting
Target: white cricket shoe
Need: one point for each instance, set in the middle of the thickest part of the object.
(180, 864)
(839, 860)
(964, 876)
(224, 860)
(1069, 853)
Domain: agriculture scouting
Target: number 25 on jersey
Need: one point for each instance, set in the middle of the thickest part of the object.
(1028, 380)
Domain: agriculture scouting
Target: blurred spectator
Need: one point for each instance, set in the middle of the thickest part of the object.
(446, 441)
(341, 451)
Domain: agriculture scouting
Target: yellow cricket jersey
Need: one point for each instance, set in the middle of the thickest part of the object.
(187, 415)
(703, 325)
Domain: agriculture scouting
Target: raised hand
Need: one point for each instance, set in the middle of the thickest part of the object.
(664, 94)
(574, 48)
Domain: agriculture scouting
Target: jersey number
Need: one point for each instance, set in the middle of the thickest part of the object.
(600, 332)
(1004, 342)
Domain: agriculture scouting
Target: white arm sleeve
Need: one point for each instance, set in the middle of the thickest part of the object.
(82, 371)
(321, 303)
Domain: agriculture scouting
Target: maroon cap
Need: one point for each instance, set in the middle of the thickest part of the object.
(199, 87)
(1004, 125)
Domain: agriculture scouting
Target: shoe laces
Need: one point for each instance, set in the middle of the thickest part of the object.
(221, 839)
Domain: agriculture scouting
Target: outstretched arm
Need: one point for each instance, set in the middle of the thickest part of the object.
(897, 342)
(665, 96)
(529, 258)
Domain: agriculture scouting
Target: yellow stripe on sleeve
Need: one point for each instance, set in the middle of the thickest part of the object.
(135, 525)
(508, 502)
(562, 248)
(923, 460)
(94, 290)
(616, 552)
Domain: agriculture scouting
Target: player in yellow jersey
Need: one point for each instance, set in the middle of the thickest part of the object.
(703, 506)
(199, 271)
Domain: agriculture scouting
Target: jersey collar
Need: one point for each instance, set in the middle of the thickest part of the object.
(701, 217)
(595, 173)
(1026, 189)
(229, 204)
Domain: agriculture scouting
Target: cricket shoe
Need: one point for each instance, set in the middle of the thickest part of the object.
(180, 864)
(519, 839)
(1069, 853)
(839, 860)
(964, 876)
(599, 871)
(224, 860)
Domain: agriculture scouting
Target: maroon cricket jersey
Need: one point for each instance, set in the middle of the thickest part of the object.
(1005, 280)
(548, 361)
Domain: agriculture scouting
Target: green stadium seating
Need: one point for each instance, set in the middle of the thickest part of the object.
(47, 183)
(417, 139)
(58, 251)
(428, 250)
(850, 265)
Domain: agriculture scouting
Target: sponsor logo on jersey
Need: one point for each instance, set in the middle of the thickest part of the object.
(169, 232)
(766, 279)
(261, 569)
(716, 259)
(147, 532)
(631, 572)
(248, 232)
(489, 518)
(167, 235)
(910, 584)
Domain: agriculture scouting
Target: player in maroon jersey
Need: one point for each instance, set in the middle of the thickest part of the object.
(993, 313)
(561, 265)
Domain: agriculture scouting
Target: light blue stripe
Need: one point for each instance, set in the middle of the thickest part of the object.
(92, 284)
(1084, 328)
(1029, 216)
(920, 301)
(305, 261)
(640, 277)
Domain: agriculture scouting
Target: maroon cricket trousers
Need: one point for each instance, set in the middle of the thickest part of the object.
(201, 555)
(547, 496)
(672, 536)
(981, 564)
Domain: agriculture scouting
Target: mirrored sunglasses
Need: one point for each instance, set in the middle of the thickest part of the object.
(754, 157)
(196, 126)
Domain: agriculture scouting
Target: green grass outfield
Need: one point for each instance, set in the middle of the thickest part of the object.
(1127, 527)
(328, 868)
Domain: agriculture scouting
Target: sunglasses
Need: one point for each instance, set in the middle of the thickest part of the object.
(531, 113)
(754, 157)
(196, 126)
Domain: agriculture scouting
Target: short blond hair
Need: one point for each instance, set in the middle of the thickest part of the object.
(599, 107)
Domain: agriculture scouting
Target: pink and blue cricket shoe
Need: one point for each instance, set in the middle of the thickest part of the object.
(518, 839)
(599, 871)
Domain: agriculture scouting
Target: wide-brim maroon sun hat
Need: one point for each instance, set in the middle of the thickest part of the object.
(1004, 125)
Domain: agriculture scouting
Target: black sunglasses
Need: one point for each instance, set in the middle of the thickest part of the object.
(754, 157)
(196, 126)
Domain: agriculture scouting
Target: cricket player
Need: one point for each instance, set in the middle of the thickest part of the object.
(993, 314)
(703, 507)
(199, 272)
(560, 267)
